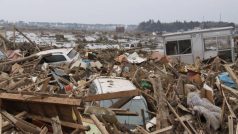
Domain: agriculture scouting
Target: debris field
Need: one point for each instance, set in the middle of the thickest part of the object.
(114, 92)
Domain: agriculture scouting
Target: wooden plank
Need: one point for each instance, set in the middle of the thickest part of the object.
(19, 60)
(125, 113)
(44, 81)
(6, 124)
(162, 113)
(230, 90)
(99, 124)
(1, 119)
(228, 105)
(121, 102)
(44, 130)
(186, 117)
(230, 124)
(141, 130)
(218, 84)
(231, 73)
(108, 96)
(41, 99)
(236, 128)
(56, 125)
(162, 130)
(15, 85)
(177, 116)
(77, 114)
(63, 123)
(19, 123)
(191, 126)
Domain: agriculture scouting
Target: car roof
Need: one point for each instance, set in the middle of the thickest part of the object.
(61, 51)
(111, 85)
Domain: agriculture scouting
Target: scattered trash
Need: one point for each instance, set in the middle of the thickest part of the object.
(116, 91)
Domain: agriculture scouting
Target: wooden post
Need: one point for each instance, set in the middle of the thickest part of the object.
(159, 95)
(99, 124)
(230, 124)
(14, 36)
(56, 125)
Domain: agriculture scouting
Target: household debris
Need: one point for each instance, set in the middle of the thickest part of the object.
(115, 91)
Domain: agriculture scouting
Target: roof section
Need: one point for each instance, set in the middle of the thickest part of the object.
(198, 31)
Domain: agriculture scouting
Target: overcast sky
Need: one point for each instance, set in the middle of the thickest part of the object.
(118, 11)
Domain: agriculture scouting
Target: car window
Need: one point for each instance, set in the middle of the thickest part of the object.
(72, 54)
(135, 105)
(108, 103)
(54, 58)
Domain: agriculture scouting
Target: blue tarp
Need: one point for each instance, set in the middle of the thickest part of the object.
(226, 79)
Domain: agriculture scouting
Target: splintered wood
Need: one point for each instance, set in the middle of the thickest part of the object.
(114, 91)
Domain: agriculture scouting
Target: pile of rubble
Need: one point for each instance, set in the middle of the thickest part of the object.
(116, 91)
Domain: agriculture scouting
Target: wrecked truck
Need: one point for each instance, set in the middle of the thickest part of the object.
(137, 104)
(59, 56)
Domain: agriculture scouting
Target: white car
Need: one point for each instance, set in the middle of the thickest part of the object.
(59, 56)
(109, 85)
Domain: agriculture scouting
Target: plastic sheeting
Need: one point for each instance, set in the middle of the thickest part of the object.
(226, 79)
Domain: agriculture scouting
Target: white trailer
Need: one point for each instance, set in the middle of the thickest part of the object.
(203, 43)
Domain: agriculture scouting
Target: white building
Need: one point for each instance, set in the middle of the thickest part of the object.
(205, 43)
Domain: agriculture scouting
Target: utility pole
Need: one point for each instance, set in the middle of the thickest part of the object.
(14, 36)
(220, 16)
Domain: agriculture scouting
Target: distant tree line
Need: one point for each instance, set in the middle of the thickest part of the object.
(152, 26)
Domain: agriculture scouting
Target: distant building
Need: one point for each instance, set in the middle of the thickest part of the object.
(203, 43)
(120, 29)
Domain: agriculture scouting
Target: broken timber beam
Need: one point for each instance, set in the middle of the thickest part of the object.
(99, 125)
(121, 102)
(40, 99)
(15, 85)
(230, 124)
(19, 60)
(177, 116)
(44, 130)
(22, 124)
(32, 43)
(63, 123)
(231, 90)
(162, 130)
(56, 125)
(142, 130)
(231, 73)
(108, 96)
(6, 124)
